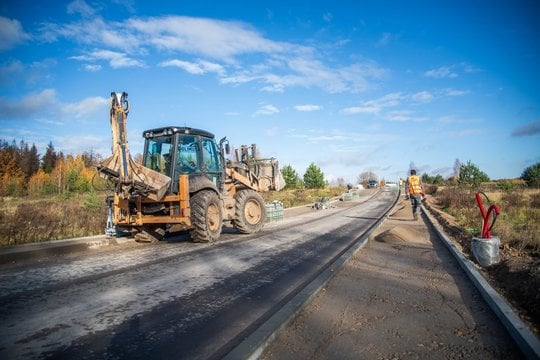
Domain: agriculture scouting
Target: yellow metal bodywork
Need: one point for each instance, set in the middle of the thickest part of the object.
(123, 215)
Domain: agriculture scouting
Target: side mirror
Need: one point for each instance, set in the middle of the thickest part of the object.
(227, 146)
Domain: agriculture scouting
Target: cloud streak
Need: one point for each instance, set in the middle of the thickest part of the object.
(529, 129)
(307, 108)
(266, 110)
(115, 59)
(381, 106)
(201, 46)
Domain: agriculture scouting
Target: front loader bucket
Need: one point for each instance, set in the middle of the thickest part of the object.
(270, 177)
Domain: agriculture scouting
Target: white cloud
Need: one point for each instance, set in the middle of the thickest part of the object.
(308, 107)
(116, 59)
(11, 33)
(443, 72)
(455, 92)
(217, 39)
(86, 107)
(92, 67)
(360, 110)
(75, 144)
(379, 105)
(282, 65)
(422, 97)
(266, 110)
(198, 68)
(388, 100)
(80, 7)
(375, 106)
(403, 116)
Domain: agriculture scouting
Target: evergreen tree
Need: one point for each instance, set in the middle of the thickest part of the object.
(471, 175)
(314, 177)
(49, 159)
(28, 159)
(292, 180)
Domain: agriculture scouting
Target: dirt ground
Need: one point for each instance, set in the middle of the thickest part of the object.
(402, 296)
(516, 277)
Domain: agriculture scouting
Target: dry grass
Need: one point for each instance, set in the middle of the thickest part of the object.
(518, 225)
(296, 197)
(28, 220)
(33, 220)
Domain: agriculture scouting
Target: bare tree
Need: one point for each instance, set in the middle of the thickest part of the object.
(457, 168)
(367, 176)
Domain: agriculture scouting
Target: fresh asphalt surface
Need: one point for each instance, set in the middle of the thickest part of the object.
(175, 299)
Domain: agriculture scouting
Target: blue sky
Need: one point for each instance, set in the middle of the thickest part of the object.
(351, 86)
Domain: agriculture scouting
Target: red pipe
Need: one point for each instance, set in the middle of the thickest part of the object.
(486, 226)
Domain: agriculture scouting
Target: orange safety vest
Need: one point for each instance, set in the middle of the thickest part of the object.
(415, 186)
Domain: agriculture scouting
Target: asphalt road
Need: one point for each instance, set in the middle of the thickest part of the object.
(175, 299)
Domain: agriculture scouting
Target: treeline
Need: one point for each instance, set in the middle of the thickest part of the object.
(24, 172)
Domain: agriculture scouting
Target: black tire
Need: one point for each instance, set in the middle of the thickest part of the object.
(150, 234)
(250, 212)
(206, 216)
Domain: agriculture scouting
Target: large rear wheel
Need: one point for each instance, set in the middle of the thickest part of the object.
(206, 216)
(250, 212)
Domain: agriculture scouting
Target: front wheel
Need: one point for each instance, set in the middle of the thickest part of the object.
(206, 216)
(250, 212)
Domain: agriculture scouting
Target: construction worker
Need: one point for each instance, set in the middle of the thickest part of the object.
(415, 189)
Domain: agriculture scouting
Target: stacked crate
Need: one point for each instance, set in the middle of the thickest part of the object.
(351, 195)
(274, 211)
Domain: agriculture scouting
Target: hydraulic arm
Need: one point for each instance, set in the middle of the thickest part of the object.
(128, 177)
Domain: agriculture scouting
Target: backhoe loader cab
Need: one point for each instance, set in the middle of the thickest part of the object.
(175, 151)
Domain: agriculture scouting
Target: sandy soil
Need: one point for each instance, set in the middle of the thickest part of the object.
(401, 296)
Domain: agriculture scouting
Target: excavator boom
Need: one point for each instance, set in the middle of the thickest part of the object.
(129, 177)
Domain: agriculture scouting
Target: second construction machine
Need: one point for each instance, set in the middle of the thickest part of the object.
(184, 182)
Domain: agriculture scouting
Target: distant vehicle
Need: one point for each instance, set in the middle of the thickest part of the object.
(372, 184)
(391, 184)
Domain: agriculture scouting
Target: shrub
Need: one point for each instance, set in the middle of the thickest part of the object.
(534, 201)
(514, 199)
(531, 175)
(430, 189)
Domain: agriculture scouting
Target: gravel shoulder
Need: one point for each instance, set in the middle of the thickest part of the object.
(402, 296)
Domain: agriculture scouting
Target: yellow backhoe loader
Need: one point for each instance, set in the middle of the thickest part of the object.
(185, 182)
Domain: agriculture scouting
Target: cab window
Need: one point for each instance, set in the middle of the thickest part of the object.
(158, 154)
(187, 155)
(210, 156)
